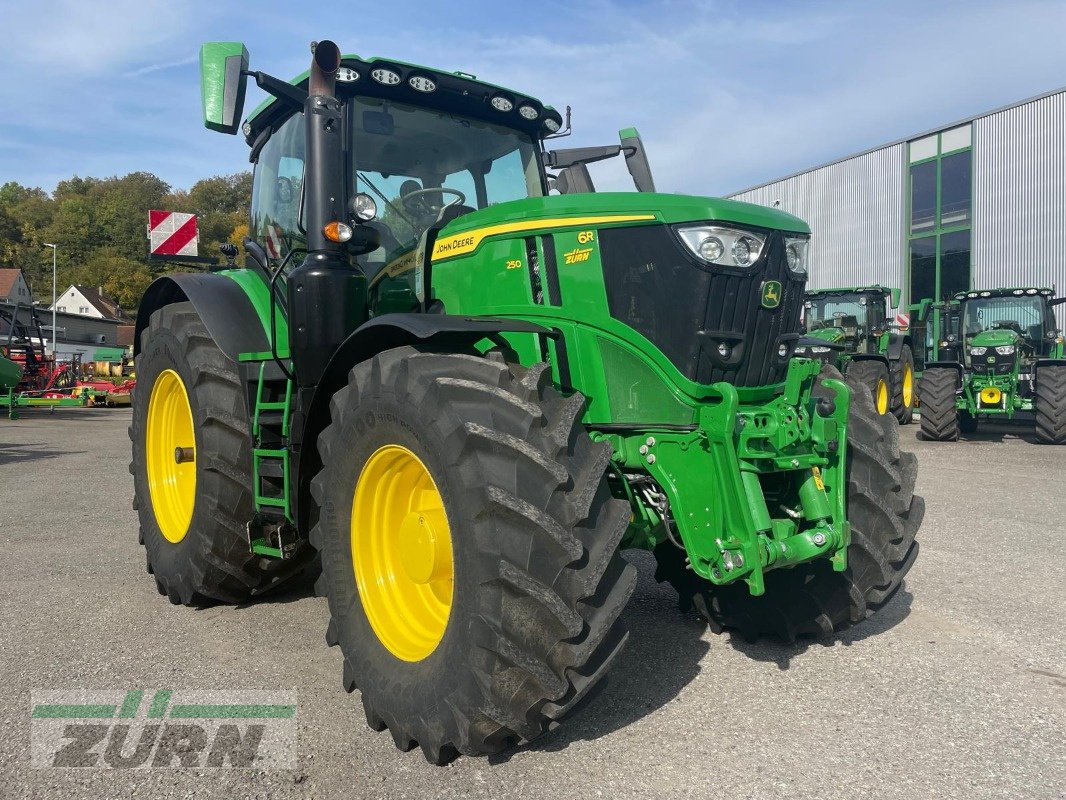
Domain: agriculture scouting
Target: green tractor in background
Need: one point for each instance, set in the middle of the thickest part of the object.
(456, 397)
(857, 334)
(1000, 354)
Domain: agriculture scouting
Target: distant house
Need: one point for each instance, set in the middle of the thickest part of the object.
(13, 287)
(90, 302)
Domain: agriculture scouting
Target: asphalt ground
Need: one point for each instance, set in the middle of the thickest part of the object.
(956, 690)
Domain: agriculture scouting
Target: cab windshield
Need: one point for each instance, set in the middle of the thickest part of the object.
(838, 310)
(418, 163)
(1023, 315)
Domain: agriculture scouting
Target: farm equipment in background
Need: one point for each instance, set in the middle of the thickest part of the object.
(32, 377)
(999, 355)
(863, 342)
(463, 397)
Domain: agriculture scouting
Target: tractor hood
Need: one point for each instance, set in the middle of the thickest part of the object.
(995, 338)
(601, 208)
(831, 334)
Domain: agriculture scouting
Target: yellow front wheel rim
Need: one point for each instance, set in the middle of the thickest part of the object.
(908, 385)
(170, 454)
(882, 396)
(402, 552)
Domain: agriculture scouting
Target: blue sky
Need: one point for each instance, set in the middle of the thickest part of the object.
(725, 94)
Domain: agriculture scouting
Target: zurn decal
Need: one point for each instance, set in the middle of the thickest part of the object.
(162, 729)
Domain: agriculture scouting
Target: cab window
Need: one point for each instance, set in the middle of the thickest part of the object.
(277, 193)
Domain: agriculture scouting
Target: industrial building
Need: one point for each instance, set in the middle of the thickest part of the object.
(976, 204)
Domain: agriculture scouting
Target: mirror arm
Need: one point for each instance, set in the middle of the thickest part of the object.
(292, 96)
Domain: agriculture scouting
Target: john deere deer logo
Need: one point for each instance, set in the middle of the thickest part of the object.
(771, 294)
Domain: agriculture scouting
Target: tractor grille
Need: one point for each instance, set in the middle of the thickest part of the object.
(687, 309)
(992, 363)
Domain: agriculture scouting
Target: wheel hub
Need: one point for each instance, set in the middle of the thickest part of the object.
(170, 456)
(402, 552)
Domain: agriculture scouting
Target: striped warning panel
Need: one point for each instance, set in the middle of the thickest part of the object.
(171, 233)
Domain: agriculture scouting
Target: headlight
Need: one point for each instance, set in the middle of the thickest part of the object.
(952, 337)
(978, 351)
(727, 247)
(821, 350)
(796, 255)
(1005, 350)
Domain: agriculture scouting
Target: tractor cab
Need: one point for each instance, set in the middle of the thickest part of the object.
(857, 318)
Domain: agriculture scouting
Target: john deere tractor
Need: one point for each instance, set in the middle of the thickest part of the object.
(856, 334)
(458, 394)
(1000, 356)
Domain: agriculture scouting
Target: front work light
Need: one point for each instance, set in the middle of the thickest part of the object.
(978, 351)
(1005, 350)
(364, 208)
(385, 76)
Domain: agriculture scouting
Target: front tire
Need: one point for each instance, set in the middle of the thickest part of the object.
(526, 616)
(1050, 404)
(193, 512)
(811, 600)
(873, 375)
(940, 418)
(902, 370)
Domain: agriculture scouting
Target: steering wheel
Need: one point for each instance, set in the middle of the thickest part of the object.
(423, 206)
(1007, 325)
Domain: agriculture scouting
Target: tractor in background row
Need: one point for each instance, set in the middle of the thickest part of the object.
(999, 355)
(457, 396)
(862, 340)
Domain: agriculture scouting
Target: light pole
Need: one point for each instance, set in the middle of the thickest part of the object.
(54, 300)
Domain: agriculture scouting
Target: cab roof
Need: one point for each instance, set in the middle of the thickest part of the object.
(452, 92)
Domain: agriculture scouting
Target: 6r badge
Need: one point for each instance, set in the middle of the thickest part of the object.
(770, 292)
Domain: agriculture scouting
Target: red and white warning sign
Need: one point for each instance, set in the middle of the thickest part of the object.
(171, 233)
(903, 321)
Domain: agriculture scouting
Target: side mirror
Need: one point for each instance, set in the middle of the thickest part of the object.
(895, 297)
(222, 84)
(636, 159)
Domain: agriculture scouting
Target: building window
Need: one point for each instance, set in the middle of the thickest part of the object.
(940, 210)
(83, 309)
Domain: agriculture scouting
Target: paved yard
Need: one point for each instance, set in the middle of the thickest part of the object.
(956, 690)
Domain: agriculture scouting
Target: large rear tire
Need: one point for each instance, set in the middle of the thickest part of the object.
(526, 586)
(872, 374)
(940, 418)
(811, 600)
(902, 370)
(194, 507)
(1050, 404)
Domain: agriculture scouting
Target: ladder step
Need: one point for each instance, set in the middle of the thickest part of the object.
(271, 469)
(275, 502)
(261, 452)
(273, 406)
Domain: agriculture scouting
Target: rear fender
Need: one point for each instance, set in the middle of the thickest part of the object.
(225, 308)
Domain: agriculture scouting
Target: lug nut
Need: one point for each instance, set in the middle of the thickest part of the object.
(643, 450)
(819, 539)
(651, 441)
(651, 458)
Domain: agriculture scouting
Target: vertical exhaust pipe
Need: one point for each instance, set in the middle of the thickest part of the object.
(325, 61)
(326, 295)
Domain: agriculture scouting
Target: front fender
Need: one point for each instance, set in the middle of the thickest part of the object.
(448, 333)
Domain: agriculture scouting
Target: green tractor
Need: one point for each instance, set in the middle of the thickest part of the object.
(856, 334)
(1000, 356)
(456, 397)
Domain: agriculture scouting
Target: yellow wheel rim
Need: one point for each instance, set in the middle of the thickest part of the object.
(882, 396)
(402, 552)
(170, 453)
(908, 385)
